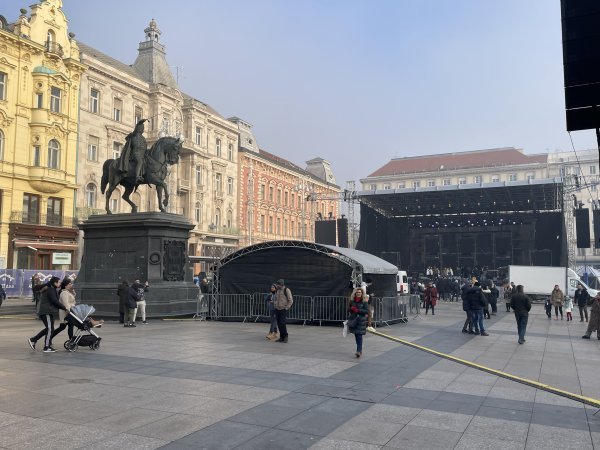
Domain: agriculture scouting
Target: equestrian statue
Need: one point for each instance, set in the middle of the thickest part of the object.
(139, 165)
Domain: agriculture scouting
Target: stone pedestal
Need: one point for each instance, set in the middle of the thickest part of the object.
(146, 246)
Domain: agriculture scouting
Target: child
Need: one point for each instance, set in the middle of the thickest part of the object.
(548, 306)
(569, 308)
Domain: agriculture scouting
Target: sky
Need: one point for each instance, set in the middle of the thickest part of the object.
(356, 82)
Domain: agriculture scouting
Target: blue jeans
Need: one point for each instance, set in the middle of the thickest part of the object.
(521, 325)
(477, 315)
(273, 328)
(359, 340)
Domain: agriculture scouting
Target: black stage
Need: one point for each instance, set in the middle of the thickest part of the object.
(488, 225)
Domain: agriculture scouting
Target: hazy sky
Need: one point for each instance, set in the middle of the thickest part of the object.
(356, 82)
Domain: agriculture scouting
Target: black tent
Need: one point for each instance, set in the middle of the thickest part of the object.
(307, 268)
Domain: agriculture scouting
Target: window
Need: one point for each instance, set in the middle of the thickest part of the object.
(31, 208)
(401, 185)
(462, 180)
(37, 151)
(198, 175)
(218, 147)
(278, 229)
(373, 187)
(53, 154)
(165, 125)
(592, 170)
(416, 184)
(54, 211)
(262, 223)
(114, 202)
(229, 186)
(198, 138)
(1, 145)
(279, 196)
(512, 177)
(90, 195)
(292, 228)
(39, 100)
(55, 96)
(387, 186)
(116, 150)
(117, 109)
(447, 182)
(530, 176)
(217, 217)
(431, 183)
(219, 183)
(285, 198)
(477, 179)
(293, 205)
(92, 153)
(270, 224)
(230, 152)
(3, 78)
(229, 219)
(138, 114)
(261, 190)
(198, 213)
(593, 187)
(94, 100)
(495, 178)
(271, 193)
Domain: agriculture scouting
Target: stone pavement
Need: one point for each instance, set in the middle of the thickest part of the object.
(186, 384)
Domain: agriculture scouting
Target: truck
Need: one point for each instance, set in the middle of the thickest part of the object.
(538, 281)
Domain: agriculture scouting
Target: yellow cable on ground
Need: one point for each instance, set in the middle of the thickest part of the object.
(545, 387)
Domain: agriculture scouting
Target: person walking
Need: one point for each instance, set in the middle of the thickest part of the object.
(67, 299)
(548, 307)
(270, 301)
(467, 309)
(581, 299)
(431, 297)
(358, 313)
(2, 294)
(521, 305)
(508, 292)
(141, 289)
(47, 309)
(283, 303)
(487, 294)
(494, 298)
(594, 323)
(557, 297)
(128, 296)
(568, 308)
(121, 288)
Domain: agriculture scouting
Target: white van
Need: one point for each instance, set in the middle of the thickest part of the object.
(402, 282)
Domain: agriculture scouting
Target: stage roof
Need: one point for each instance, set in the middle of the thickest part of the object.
(501, 197)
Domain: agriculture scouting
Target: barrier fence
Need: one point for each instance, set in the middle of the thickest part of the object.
(306, 309)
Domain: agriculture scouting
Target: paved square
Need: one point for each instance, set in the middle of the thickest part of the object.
(187, 384)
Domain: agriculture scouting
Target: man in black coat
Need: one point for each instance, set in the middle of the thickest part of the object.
(521, 305)
(466, 309)
(476, 302)
(128, 296)
(581, 298)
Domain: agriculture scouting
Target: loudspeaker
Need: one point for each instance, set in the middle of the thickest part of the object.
(325, 232)
(581, 60)
(342, 232)
(582, 227)
(596, 216)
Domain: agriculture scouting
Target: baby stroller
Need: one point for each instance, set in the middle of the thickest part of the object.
(79, 317)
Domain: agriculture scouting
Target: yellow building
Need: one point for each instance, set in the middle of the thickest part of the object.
(40, 73)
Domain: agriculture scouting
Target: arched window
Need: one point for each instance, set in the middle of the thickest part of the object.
(1, 145)
(90, 195)
(53, 154)
(218, 217)
(229, 219)
(50, 37)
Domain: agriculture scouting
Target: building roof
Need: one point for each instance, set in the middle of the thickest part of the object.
(109, 61)
(494, 157)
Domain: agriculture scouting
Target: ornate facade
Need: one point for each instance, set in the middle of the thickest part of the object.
(40, 74)
(278, 199)
(202, 186)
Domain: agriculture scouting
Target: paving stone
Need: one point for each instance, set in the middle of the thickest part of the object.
(222, 435)
(368, 432)
(479, 442)
(541, 436)
(173, 427)
(498, 429)
(419, 438)
(442, 420)
(340, 444)
(280, 440)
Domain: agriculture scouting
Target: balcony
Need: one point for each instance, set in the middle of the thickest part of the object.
(54, 47)
(52, 220)
(183, 185)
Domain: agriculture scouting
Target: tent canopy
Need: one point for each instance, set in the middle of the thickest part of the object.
(307, 268)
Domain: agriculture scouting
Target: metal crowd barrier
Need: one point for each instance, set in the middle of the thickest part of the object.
(389, 310)
(302, 309)
(330, 309)
(232, 306)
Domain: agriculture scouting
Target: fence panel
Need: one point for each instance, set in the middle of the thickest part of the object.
(259, 306)
(302, 309)
(391, 309)
(233, 306)
(330, 309)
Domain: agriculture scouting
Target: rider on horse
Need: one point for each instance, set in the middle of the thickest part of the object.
(134, 149)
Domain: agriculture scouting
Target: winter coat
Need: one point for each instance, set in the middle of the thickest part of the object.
(269, 299)
(581, 297)
(495, 294)
(568, 304)
(358, 310)
(141, 289)
(548, 305)
(128, 297)
(49, 303)
(557, 297)
(431, 296)
(67, 299)
(475, 298)
(283, 298)
(487, 295)
(121, 294)
(520, 303)
(594, 322)
(463, 296)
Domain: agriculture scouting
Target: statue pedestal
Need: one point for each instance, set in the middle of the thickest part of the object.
(146, 246)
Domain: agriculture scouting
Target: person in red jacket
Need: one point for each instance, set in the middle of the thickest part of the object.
(431, 297)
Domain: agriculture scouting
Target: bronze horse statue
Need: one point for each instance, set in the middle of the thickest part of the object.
(164, 153)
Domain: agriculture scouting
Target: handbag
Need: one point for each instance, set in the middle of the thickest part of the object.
(352, 322)
(345, 329)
